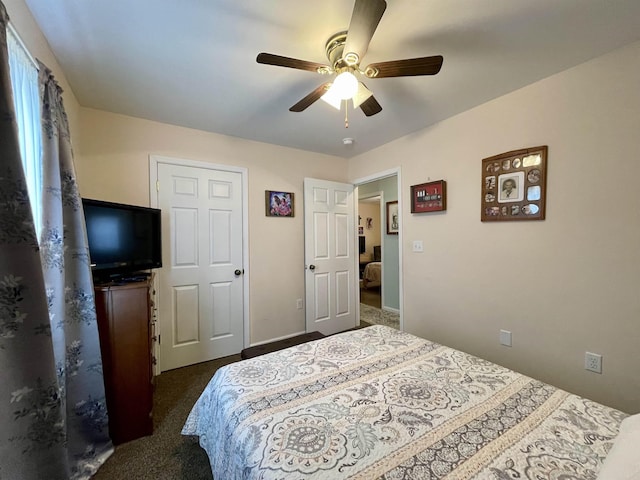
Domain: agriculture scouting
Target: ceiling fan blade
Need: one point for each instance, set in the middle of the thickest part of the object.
(311, 98)
(364, 21)
(405, 68)
(279, 61)
(370, 106)
(362, 95)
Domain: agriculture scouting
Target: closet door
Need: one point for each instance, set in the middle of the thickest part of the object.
(201, 284)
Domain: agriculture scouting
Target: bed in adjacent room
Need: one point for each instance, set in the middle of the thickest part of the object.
(380, 403)
(372, 275)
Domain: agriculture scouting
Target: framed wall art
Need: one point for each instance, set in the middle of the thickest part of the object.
(514, 185)
(393, 219)
(429, 197)
(279, 204)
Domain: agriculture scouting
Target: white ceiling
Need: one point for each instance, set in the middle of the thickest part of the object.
(192, 62)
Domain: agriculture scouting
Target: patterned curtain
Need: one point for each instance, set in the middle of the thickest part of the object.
(53, 420)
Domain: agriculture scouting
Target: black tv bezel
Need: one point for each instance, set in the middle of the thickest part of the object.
(129, 270)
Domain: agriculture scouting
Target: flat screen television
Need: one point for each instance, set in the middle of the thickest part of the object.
(124, 240)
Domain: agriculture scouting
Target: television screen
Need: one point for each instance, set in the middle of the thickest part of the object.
(123, 239)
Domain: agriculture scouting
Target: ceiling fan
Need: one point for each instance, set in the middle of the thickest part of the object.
(345, 51)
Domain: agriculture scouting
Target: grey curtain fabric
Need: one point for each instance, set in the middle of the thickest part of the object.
(31, 419)
(69, 288)
(53, 419)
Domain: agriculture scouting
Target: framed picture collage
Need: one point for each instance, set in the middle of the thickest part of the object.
(514, 185)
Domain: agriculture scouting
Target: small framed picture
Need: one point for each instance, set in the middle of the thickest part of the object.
(429, 197)
(393, 219)
(279, 204)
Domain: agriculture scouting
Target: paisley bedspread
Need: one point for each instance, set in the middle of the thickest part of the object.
(379, 403)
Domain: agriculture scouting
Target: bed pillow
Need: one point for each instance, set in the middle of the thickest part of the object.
(623, 461)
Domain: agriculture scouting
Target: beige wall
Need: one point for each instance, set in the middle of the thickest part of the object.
(564, 285)
(112, 163)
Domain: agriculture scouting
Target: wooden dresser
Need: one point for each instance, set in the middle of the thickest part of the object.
(124, 312)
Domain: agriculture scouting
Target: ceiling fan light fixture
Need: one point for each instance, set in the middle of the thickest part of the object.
(345, 85)
(332, 99)
(345, 50)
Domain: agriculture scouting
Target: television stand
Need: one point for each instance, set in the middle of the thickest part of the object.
(121, 278)
(123, 313)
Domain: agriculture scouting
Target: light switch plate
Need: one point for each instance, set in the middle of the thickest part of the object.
(505, 338)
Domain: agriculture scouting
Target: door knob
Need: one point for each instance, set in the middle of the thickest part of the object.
(312, 267)
(238, 272)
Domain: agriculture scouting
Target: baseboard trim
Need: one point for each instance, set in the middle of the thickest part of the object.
(392, 310)
(277, 339)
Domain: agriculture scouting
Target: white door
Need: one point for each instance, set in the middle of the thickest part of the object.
(201, 297)
(330, 264)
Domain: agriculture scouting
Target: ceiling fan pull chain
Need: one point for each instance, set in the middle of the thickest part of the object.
(346, 114)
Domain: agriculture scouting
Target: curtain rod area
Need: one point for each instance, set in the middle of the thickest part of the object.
(11, 29)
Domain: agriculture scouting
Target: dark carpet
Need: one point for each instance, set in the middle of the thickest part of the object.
(166, 454)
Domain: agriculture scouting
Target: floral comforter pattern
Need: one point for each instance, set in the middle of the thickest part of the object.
(379, 403)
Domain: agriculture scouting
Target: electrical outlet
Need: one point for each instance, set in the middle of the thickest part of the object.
(593, 362)
(299, 304)
(418, 246)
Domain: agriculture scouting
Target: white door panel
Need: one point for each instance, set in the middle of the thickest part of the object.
(330, 276)
(201, 286)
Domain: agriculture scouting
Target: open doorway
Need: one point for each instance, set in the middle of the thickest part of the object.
(380, 279)
(370, 249)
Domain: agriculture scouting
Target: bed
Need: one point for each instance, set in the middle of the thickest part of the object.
(379, 403)
(372, 275)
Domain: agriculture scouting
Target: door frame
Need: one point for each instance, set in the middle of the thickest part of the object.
(154, 161)
(372, 178)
